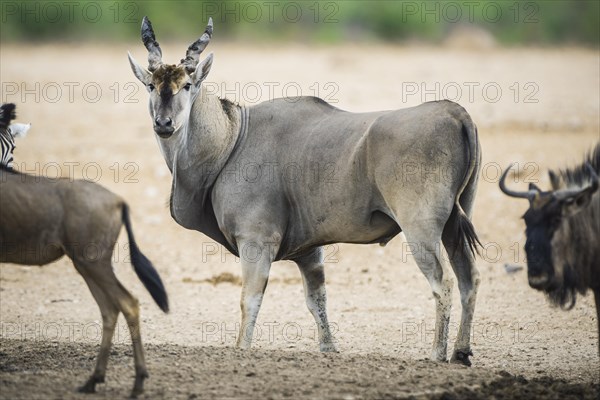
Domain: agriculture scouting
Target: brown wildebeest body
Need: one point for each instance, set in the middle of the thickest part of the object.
(43, 219)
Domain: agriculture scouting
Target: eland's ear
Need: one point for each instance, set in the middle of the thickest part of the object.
(202, 70)
(140, 72)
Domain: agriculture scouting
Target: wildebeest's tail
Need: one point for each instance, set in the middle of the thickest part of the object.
(7, 114)
(144, 268)
(465, 230)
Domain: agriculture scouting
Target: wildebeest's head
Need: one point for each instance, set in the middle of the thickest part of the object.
(172, 88)
(551, 245)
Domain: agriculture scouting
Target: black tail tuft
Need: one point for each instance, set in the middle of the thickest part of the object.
(7, 114)
(144, 268)
(466, 234)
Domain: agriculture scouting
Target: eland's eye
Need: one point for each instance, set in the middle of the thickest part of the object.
(187, 86)
(150, 87)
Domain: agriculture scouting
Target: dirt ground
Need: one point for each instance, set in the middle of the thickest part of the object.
(536, 107)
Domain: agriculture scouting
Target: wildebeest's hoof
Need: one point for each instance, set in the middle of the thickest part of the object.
(90, 385)
(462, 357)
(138, 387)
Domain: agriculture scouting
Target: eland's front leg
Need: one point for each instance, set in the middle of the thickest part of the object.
(256, 259)
(313, 278)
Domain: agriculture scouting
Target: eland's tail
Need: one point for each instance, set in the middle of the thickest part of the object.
(465, 230)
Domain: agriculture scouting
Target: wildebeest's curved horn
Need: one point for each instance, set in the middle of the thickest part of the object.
(594, 176)
(154, 51)
(192, 55)
(525, 195)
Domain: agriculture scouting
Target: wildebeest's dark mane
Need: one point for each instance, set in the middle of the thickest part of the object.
(580, 175)
(581, 227)
(565, 295)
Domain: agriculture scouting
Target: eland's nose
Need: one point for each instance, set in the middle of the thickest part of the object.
(163, 122)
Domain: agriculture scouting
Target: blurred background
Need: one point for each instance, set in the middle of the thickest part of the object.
(508, 22)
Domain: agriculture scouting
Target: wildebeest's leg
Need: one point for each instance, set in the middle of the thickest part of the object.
(110, 314)
(130, 308)
(431, 258)
(313, 278)
(256, 259)
(122, 300)
(463, 264)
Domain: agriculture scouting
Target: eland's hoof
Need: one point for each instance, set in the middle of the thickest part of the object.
(462, 357)
(328, 348)
(135, 393)
(438, 356)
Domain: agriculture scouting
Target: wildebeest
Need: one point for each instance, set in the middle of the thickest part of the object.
(42, 219)
(8, 133)
(563, 232)
(281, 179)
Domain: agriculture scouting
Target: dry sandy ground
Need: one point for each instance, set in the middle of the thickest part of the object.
(379, 302)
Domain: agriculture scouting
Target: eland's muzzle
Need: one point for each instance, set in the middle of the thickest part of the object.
(163, 127)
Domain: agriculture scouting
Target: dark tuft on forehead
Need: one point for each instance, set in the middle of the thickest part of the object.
(168, 74)
(168, 78)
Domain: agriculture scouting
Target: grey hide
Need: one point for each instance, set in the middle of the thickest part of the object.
(281, 179)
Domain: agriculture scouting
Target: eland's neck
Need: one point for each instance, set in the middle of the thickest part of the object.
(205, 142)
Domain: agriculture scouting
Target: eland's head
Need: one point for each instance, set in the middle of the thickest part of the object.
(173, 88)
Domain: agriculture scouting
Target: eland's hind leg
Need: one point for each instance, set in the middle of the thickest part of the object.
(426, 247)
(313, 278)
(110, 314)
(463, 263)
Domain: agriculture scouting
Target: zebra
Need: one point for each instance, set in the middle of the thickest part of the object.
(8, 133)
